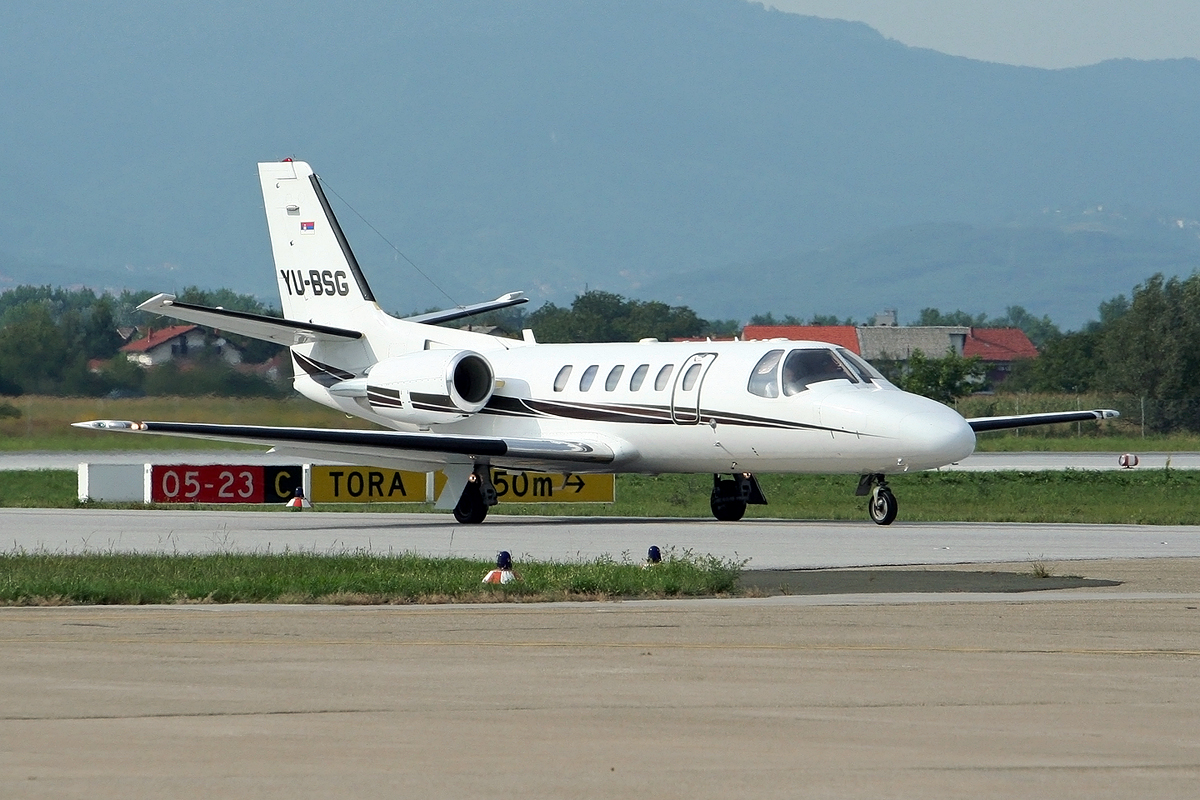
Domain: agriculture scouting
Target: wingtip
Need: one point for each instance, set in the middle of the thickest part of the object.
(161, 300)
(108, 425)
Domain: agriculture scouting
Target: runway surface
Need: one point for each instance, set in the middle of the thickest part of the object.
(764, 544)
(853, 689)
(1094, 694)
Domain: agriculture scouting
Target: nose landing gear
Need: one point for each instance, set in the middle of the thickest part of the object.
(882, 505)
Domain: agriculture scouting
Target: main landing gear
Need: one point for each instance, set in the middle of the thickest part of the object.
(731, 496)
(881, 505)
(478, 496)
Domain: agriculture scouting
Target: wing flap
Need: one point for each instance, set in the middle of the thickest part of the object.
(271, 329)
(981, 424)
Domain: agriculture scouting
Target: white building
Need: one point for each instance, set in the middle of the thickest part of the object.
(176, 343)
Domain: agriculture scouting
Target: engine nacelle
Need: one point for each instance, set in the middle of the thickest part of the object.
(432, 386)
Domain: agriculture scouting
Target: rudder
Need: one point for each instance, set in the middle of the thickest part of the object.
(319, 279)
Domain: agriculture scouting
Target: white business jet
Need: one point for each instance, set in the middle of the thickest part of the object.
(463, 402)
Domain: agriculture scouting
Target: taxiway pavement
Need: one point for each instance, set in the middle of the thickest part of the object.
(876, 682)
(764, 544)
(851, 696)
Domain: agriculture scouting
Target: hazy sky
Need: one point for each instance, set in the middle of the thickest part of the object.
(1040, 33)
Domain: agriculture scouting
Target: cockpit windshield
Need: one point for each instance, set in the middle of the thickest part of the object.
(804, 367)
(764, 380)
(859, 366)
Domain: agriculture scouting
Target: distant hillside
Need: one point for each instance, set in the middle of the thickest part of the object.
(1052, 268)
(629, 145)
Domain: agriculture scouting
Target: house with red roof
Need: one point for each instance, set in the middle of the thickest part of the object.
(842, 335)
(999, 348)
(176, 343)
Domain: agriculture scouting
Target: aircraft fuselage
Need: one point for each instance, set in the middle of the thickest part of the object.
(660, 421)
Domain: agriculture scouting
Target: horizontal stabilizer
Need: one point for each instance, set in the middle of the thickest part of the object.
(270, 329)
(450, 314)
(980, 424)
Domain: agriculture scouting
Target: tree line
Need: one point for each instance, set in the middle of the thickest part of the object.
(1143, 345)
(49, 336)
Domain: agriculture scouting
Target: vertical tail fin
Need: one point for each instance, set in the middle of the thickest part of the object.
(319, 279)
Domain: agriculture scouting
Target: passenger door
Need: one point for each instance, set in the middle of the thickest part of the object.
(685, 397)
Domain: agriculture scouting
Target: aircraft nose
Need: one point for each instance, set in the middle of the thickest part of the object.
(936, 438)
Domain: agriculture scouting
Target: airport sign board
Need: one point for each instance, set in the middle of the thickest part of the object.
(367, 485)
(223, 483)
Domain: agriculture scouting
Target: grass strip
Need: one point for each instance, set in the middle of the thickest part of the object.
(350, 578)
(45, 422)
(39, 488)
(1145, 497)
(1154, 497)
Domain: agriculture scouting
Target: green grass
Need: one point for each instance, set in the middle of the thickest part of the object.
(45, 422)
(1151, 497)
(1158, 497)
(41, 488)
(352, 578)
(1124, 434)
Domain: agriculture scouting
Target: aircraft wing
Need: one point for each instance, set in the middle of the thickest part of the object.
(980, 424)
(397, 449)
(272, 329)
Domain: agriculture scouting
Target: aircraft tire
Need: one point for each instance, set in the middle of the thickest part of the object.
(882, 506)
(724, 503)
(471, 509)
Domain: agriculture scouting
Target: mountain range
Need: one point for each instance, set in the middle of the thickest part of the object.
(711, 153)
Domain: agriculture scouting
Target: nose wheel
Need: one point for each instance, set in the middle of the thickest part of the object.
(881, 503)
(882, 506)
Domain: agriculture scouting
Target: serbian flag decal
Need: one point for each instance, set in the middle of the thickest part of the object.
(307, 227)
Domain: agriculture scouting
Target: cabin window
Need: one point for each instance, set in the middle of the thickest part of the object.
(560, 380)
(664, 375)
(805, 367)
(859, 366)
(764, 380)
(690, 377)
(639, 376)
(589, 375)
(614, 377)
